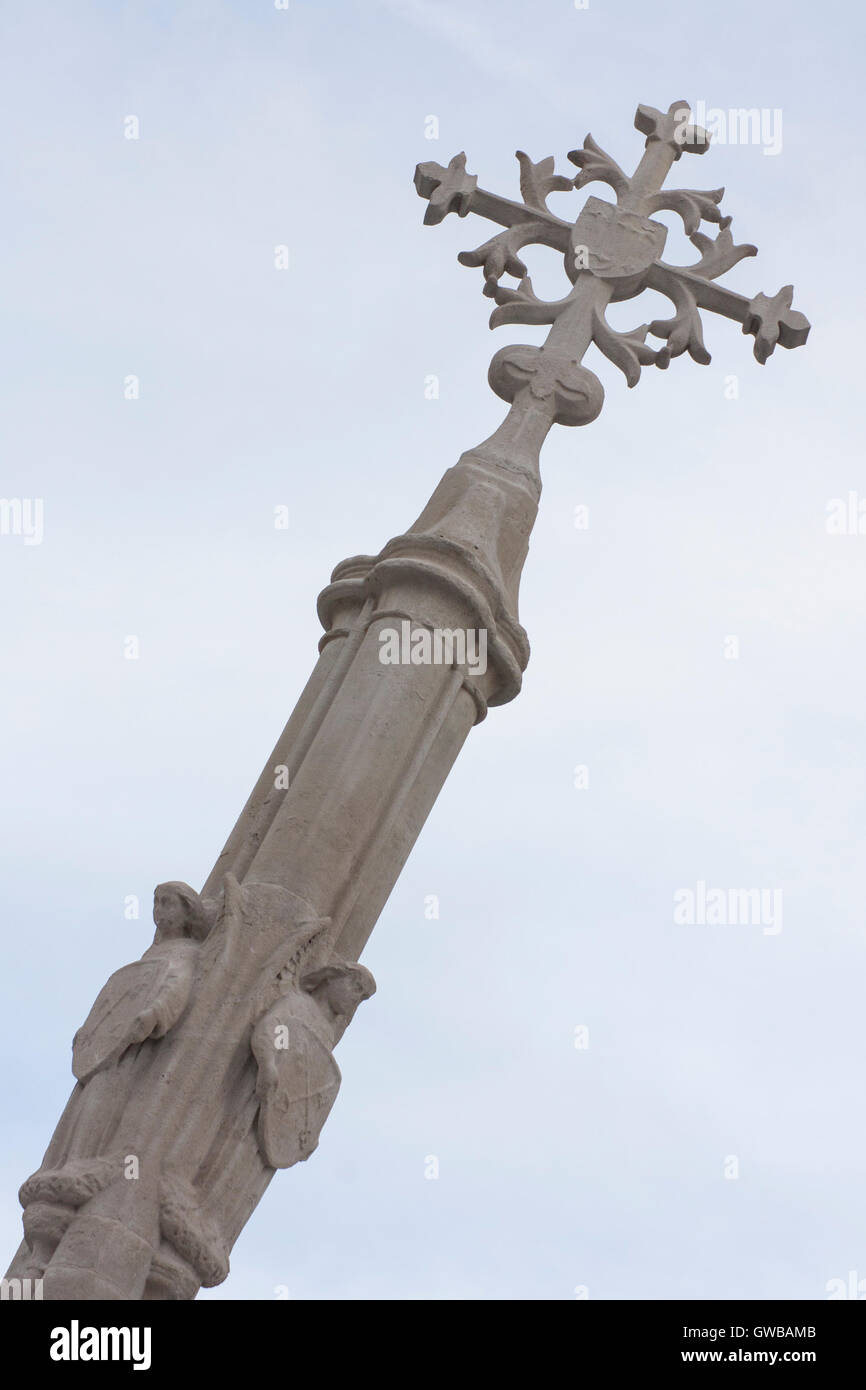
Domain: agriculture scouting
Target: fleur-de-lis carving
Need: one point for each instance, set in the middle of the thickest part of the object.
(596, 166)
(539, 180)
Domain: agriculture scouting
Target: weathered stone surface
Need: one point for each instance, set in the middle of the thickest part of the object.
(208, 1064)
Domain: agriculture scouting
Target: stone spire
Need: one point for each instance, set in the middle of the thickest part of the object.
(208, 1064)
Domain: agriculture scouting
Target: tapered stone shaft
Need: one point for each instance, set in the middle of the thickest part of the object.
(370, 744)
(297, 890)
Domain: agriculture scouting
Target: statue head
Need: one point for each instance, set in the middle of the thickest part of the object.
(179, 911)
(340, 988)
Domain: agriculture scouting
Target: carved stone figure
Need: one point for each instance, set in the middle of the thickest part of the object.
(140, 1001)
(171, 1179)
(147, 998)
(293, 1043)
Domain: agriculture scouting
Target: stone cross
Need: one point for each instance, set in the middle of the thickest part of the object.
(208, 1064)
(612, 252)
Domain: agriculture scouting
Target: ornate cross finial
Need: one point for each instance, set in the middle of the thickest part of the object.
(612, 252)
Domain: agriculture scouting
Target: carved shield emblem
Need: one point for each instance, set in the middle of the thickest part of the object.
(613, 243)
(114, 1021)
(298, 1078)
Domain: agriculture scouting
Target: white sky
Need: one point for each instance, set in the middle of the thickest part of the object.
(559, 1167)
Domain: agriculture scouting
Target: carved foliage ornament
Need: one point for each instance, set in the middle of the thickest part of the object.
(612, 252)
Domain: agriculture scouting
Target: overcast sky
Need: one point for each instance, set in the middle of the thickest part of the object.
(605, 1168)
